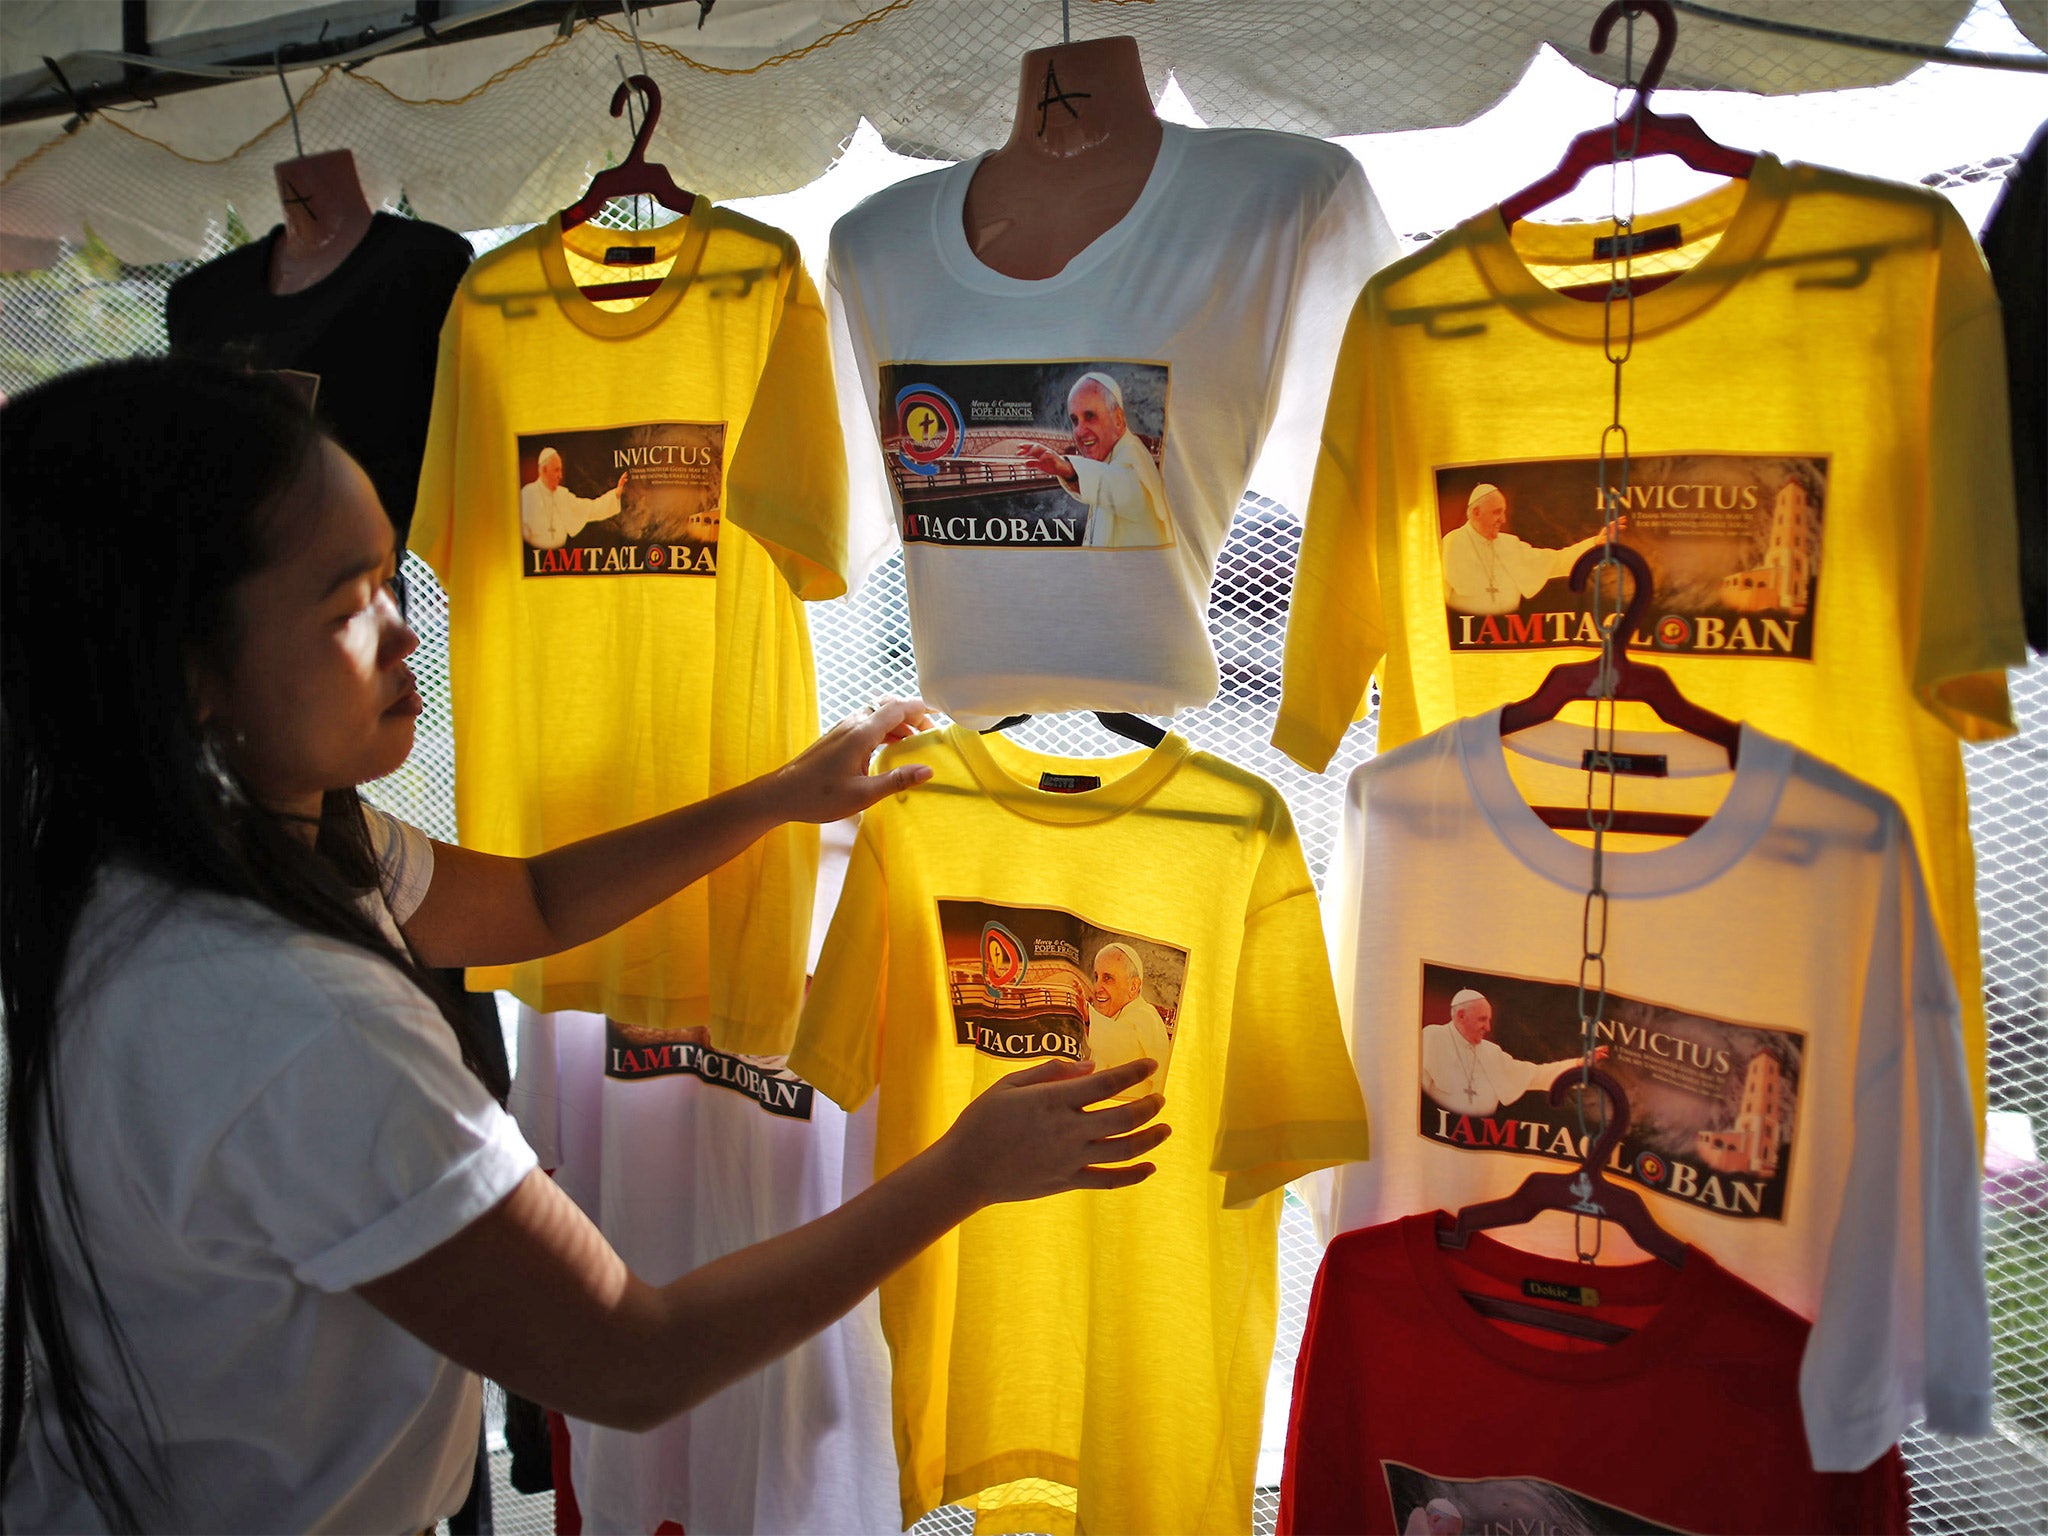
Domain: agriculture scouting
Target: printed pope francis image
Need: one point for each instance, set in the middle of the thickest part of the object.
(1111, 472)
(1489, 570)
(550, 514)
(634, 500)
(1468, 1074)
(1122, 1025)
(1030, 982)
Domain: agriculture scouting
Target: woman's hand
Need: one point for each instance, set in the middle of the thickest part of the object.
(1032, 1133)
(587, 1338)
(829, 780)
(486, 910)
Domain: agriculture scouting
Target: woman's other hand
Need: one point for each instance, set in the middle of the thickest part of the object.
(1032, 1133)
(830, 779)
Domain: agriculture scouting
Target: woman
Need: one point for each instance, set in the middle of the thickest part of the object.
(264, 1223)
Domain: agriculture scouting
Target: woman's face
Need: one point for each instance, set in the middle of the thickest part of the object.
(317, 695)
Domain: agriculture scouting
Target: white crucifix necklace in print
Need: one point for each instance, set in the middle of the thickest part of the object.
(1491, 558)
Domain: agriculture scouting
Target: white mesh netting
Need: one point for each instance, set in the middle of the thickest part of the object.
(90, 305)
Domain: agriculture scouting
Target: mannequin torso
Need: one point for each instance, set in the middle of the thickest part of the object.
(1079, 153)
(325, 218)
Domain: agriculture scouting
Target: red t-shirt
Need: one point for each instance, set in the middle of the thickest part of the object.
(1414, 1414)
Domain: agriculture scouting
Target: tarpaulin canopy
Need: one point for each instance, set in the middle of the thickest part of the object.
(500, 129)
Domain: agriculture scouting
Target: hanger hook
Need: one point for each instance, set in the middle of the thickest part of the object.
(650, 112)
(1641, 586)
(1614, 1122)
(632, 117)
(298, 144)
(1660, 12)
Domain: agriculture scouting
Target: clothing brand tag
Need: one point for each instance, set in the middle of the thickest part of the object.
(1551, 1290)
(1068, 783)
(1648, 765)
(628, 255)
(1665, 237)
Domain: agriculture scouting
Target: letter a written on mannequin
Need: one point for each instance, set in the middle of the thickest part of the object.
(1079, 153)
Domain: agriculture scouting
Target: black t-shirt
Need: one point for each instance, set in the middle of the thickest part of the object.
(368, 331)
(2016, 247)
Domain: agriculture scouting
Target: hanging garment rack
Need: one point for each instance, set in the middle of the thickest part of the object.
(1605, 681)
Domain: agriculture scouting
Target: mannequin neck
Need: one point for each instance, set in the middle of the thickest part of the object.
(325, 217)
(1080, 152)
(1080, 98)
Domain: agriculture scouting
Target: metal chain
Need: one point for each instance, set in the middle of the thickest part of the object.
(1618, 344)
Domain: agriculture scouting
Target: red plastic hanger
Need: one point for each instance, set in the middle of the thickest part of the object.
(635, 176)
(1651, 133)
(1587, 1192)
(1635, 681)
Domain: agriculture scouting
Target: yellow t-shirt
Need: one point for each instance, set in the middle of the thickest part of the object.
(618, 646)
(1097, 1360)
(1820, 480)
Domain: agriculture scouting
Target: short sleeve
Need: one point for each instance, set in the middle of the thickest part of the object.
(405, 862)
(871, 531)
(838, 1039)
(1970, 626)
(431, 536)
(787, 484)
(1336, 625)
(370, 1145)
(1320, 1483)
(1349, 240)
(1903, 1328)
(1291, 1102)
(178, 325)
(441, 277)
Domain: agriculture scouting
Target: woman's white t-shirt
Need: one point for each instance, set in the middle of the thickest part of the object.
(259, 1120)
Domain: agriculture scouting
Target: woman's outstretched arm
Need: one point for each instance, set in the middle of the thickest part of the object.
(531, 1295)
(484, 909)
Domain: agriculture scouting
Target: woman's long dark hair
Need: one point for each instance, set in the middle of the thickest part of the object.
(136, 496)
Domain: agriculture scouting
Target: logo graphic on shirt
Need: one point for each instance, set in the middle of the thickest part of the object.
(1040, 981)
(1036, 455)
(1713, 1104)
(1427, 1505)
(1002, 960)
(632, 1053)
(622, 501)
(931, 431)
(1733, 540)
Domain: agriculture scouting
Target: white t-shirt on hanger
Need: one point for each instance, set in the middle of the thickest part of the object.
(1780, 1014)
(679, 1169)
(1061, 458)
(260, 1120)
